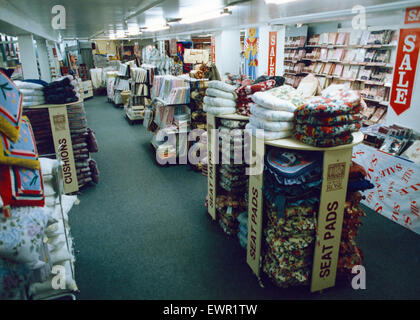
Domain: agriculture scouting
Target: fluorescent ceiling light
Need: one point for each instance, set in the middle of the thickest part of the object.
(206, 16)
(157, 28)
(278, 1)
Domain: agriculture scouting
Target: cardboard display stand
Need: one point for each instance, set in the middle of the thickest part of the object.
(336, 165)
(212, 157)
(63, 143)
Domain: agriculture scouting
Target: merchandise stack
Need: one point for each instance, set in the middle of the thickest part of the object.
(33, 94)
(238, 80)
(272, 112)
(292, 186)
(232, 180)
(243, 229)
(84, 142)
(350, 254)
(25, 212)
(62, 91)
(330, 119)
(220, 98)
(245, 92)
(110, 78)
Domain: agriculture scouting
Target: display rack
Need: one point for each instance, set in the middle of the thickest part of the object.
(212, 152)
(334, 57)
(336, 166)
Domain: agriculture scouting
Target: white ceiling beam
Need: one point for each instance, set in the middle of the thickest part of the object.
(14, 17)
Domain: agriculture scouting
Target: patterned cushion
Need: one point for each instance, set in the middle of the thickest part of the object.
(327, 131)
(326, 107)
(328, 121)
(325, 142)
(21, 186)
(10, 108)
(23, 152)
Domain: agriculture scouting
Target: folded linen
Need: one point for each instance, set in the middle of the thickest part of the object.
(220, 85)
(218, 110)
(270, 125)
(271, 115)
(220, 94)
(269, 101)
(267, 134)
(219, 102)
(327, 131)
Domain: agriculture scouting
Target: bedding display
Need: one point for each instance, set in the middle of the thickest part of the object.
(232, 198)
(272, 112)
(292, 182)
(245, 92)
(62, 91)
(35, 233)
(338, 108)
(220, 98)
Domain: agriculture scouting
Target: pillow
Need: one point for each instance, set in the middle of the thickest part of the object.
(256, 87)
(14, 277)
(21, 235)
(29, 85)
(271, 115)
(219, 102)
(10, 108)
(21, 186)
(23, 152)
(266, 134)
(31, 92)
(270, 125)
(268, 101)
(220, 94)
(217, 110)
(60, 255)
(220, 85)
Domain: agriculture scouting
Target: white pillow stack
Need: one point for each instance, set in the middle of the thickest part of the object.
(273, 113)
(32, 93)
(57, 234)
(220, 98)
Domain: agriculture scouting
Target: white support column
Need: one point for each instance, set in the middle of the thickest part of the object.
(28, 57)
(43, 60)
(228, 49)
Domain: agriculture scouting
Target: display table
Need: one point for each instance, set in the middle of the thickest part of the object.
(62, 142)
(212, 151)
(336, 166)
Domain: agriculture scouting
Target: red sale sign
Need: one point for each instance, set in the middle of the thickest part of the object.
(213, 49)
(272, 53)
(412, 15)
(405, 70)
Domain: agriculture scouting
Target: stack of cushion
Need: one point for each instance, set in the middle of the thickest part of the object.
(32, 93)
(220, 98)
(238, 80)
(329, 120)
(243, 229)
(232, 178)
(62, 91)
(84, 142)
(272, 112)
(350, 254)
(246, 91)
(40, 121)
(292, 182)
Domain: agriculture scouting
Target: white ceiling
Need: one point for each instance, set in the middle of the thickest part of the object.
(87, 18)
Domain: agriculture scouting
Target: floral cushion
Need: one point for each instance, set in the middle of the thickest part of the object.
(250, 89)
(21, 186)
(23, 152)
(10, 108)
(327, 131)
(329, 121)
(325, 142)
(326, 107)
(14, 277)
(21, 235)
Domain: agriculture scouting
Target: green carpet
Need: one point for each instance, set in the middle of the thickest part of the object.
(143, 233)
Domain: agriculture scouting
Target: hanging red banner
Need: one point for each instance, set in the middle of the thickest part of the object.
(412, 15)
(213, 49)
(272, 53)
(405, 70)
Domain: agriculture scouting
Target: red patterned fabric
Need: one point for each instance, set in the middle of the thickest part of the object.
(261, 86)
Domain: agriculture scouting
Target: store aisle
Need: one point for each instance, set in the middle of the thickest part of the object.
(143, 233)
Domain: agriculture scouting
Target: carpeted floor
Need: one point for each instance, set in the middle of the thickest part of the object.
(143, 233)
